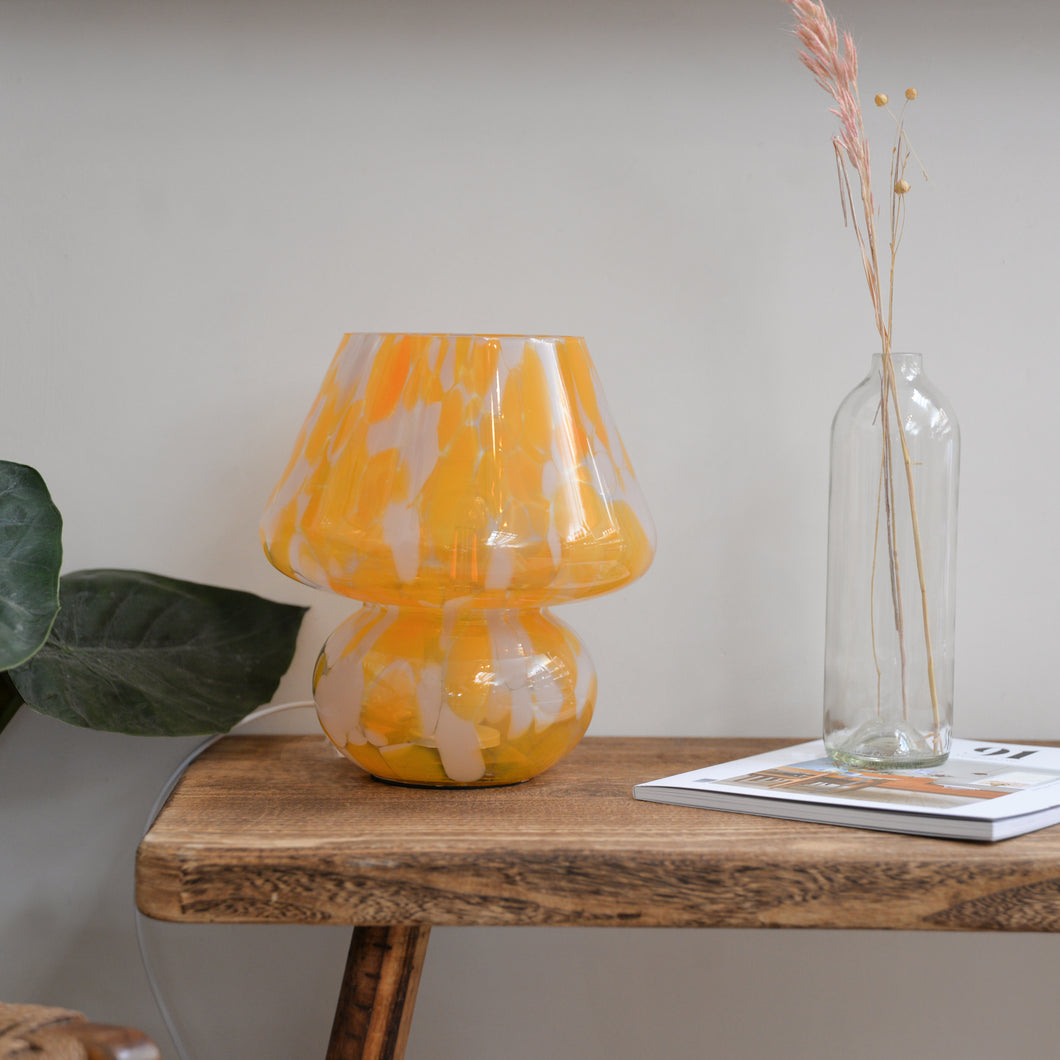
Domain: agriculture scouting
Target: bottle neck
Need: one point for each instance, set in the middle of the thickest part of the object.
(906, 365)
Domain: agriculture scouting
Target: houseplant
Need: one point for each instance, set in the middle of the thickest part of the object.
(122, 650)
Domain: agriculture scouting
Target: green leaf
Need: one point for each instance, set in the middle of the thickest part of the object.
(10, 700)
(153, 656)
(31, 553)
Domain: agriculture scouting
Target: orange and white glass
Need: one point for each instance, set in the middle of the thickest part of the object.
(458, 485)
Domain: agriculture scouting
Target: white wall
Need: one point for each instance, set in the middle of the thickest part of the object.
(197, 199)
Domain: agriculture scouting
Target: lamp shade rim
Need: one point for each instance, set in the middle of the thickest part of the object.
(480, 335)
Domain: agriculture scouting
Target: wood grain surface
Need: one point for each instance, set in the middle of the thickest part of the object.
(280, 829)
(378, 993)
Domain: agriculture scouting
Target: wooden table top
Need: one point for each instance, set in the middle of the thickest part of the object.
(280, 829)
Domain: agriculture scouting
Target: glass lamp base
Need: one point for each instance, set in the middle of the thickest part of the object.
(880, 744)
(435, 697)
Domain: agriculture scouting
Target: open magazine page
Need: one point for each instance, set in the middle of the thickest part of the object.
(979, 781)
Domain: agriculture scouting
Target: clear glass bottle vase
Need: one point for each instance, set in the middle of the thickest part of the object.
(892, 546)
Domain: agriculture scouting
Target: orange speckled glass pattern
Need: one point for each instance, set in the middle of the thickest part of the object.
(458, 485)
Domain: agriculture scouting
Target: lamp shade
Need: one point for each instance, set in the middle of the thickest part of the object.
(437, 467)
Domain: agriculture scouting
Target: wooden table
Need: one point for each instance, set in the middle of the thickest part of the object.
(279, 829)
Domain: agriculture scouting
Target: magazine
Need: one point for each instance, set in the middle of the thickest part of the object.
(984, 791)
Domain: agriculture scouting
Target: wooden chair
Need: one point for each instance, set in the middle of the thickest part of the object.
(34, 1032)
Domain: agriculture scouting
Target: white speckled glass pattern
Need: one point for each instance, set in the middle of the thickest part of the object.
(458, 485)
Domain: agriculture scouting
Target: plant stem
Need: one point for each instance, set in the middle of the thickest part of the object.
(892, 532)
(10, 700)
(907, 459)
(872, 590)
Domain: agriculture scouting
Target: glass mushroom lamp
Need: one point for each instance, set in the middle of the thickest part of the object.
(458, 485)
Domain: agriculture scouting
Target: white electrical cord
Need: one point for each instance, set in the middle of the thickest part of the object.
(156, 809)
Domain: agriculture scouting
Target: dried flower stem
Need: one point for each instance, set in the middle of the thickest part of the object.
(834, 64)
(920, 570)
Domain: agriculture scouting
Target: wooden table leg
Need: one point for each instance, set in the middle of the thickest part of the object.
(378, 993)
